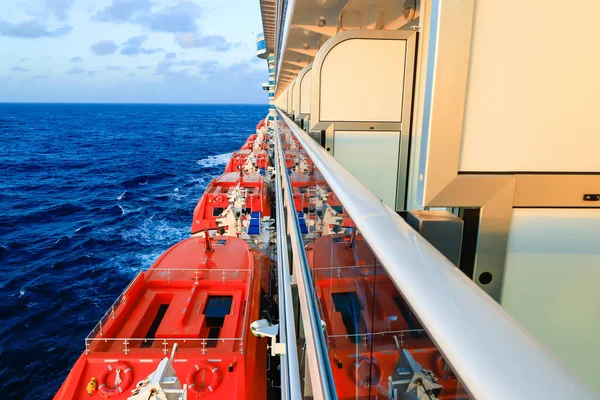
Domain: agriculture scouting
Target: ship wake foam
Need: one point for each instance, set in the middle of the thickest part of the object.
(214, 161)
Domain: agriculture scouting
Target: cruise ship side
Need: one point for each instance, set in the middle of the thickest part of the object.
(415, 218)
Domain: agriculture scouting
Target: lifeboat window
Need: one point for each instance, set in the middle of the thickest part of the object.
(347, 304)
(217, 211)
(217, 307)
(160, 314)
(409, 317)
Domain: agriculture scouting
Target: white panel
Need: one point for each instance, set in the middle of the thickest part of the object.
(534, 88)
(551, 283)
(305, 93)
(282, 100)
(372, 157)
(363, 80)
(293, 94)
(296, 99)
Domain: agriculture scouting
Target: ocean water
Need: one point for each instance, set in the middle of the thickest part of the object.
(89, 195)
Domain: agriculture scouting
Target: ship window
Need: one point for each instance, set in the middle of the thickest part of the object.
(217, 211)
(347, 304)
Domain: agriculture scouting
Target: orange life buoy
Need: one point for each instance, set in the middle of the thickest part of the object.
(214, 382)
(124, 371)
(367, 372)
(440, 368)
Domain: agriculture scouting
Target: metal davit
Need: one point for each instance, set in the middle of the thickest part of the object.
(440, 312)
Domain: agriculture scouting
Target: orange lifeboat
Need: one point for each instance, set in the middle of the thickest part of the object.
(199, 294)
(239, 158)
(249, 142)
(368, 324)
(219, 195)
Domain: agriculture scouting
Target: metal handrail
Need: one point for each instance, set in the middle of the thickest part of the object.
(290, 370)
(316, 341)
(493, 356)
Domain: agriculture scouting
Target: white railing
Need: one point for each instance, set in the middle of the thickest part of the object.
(290, 372)
(321, 376)
(493, 356)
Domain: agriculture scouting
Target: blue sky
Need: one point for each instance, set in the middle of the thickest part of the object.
(157, 51)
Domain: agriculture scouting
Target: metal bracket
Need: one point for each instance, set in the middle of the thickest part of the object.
(261, 328)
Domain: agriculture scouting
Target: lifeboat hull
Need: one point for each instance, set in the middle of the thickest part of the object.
(180, 299)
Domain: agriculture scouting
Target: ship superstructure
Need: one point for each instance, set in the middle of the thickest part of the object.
(443, 112)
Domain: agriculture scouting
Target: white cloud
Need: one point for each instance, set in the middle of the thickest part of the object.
(31, 29)
(212, 42)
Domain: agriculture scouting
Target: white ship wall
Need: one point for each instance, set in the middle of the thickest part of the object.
(375, 98)
(378, 152)
(530, 92)
(551, 283)
(533, 88)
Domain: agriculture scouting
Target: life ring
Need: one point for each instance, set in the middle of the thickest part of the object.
(214, 382)
(124, 371)
(440, 368)
(219, 198)
(367, 372)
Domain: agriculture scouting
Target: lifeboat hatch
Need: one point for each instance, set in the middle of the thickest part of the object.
(217, 211)
(408, 316)
(217, 307)
(347, 304)
(151, 334)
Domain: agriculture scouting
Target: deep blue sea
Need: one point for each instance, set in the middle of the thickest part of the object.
(89, 195)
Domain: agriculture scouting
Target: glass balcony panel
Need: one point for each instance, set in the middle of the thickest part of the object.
(377, 348)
